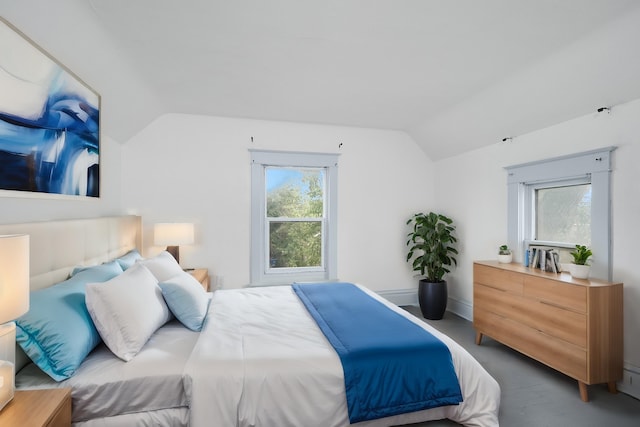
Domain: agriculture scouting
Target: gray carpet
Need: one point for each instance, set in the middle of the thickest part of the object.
(534, 395)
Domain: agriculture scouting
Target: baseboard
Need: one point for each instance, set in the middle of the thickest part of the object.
(400, 297)
(630, 383)
(461, 308)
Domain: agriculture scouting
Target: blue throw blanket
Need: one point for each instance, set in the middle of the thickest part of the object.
(391, 365)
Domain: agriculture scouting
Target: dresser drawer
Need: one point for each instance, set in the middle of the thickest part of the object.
(567, 358)
(563, 324)
(573, 297)
(498, 278)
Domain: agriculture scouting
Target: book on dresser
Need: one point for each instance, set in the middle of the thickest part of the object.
(545, 259)
(572, 325)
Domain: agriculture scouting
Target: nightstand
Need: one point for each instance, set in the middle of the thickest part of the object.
(38, 408)
(202, 276)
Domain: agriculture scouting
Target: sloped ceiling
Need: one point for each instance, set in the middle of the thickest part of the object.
(456, 75)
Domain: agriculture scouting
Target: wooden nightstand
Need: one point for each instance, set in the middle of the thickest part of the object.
(202, 275)
(38, 408)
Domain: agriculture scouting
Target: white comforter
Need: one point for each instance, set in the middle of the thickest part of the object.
(261, 360)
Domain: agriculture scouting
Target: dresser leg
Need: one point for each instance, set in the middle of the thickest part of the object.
(611, 385)
(584, 394)
(478, 338)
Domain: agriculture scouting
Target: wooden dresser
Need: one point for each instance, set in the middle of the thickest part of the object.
(572, 325)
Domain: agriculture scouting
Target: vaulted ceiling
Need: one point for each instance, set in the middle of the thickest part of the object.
(454, 74)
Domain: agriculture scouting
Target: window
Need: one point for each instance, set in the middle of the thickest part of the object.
(563, 214)
(293, 220)
(562, 202)
(560, 214)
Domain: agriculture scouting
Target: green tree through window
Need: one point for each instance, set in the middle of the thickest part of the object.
(295, 213)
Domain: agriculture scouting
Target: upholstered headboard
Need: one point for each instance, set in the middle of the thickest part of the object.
(56, 247)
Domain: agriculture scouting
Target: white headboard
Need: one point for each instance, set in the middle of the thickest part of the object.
(58, 246)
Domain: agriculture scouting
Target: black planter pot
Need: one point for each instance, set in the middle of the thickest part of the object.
(432, 298)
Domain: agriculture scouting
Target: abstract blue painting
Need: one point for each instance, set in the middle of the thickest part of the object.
(49, 123)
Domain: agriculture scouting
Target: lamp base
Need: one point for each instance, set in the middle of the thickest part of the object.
(175, 251)
(7, 362)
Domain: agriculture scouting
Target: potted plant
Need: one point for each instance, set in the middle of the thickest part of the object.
(579, 267)
(430, 242)
(504, 254)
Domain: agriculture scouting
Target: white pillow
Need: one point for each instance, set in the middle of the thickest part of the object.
(163, 266)
(187, 300)
(127, 310)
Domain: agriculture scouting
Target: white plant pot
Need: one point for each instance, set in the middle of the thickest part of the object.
(579, 271)
(505, 259)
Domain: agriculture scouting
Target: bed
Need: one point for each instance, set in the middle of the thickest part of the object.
(259, 360)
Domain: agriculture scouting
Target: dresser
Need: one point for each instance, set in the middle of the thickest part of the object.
(572, 325)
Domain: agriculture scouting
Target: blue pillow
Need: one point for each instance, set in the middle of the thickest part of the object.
(128, 259)
(187, 300)
(57, 332)
(80, 268)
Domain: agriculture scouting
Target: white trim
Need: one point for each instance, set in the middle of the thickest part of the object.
(404, 297)
(595, 163)
(400, 297)
(630, 383)
(462, 308)
(259, 274)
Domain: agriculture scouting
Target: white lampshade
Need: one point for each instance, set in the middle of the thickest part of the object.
(14, 302)
(173, 234)
(14, 277)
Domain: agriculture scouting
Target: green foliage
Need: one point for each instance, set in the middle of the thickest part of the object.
(581, 254)
(504, 250)
(298, 243)
(430, 242)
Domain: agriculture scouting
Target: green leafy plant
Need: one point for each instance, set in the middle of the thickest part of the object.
(431, 243)
(504, 250)
(581, 254)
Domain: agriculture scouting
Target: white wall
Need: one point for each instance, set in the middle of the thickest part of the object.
(14, 207)
(70, 31)
(472, 189)
(196, 169)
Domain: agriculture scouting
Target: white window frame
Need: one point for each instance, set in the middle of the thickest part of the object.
(261, 272)
(589, 166)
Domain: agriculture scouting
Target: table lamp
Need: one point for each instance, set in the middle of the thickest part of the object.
(173, 234)
(14, 302)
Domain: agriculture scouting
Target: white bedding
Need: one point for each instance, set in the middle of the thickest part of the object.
(105, 386)
(261, 360)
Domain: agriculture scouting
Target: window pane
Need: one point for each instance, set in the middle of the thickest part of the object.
(563, 214)
(295, 192)
(295, 244)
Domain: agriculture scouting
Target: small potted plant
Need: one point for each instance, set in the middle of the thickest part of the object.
(431, 252)
(579, 268)
(504, 254)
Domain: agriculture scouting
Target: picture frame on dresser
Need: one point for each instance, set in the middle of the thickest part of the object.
(49, 124)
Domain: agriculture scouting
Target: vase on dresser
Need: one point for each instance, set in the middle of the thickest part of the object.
(505, 259)
(579, 271)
